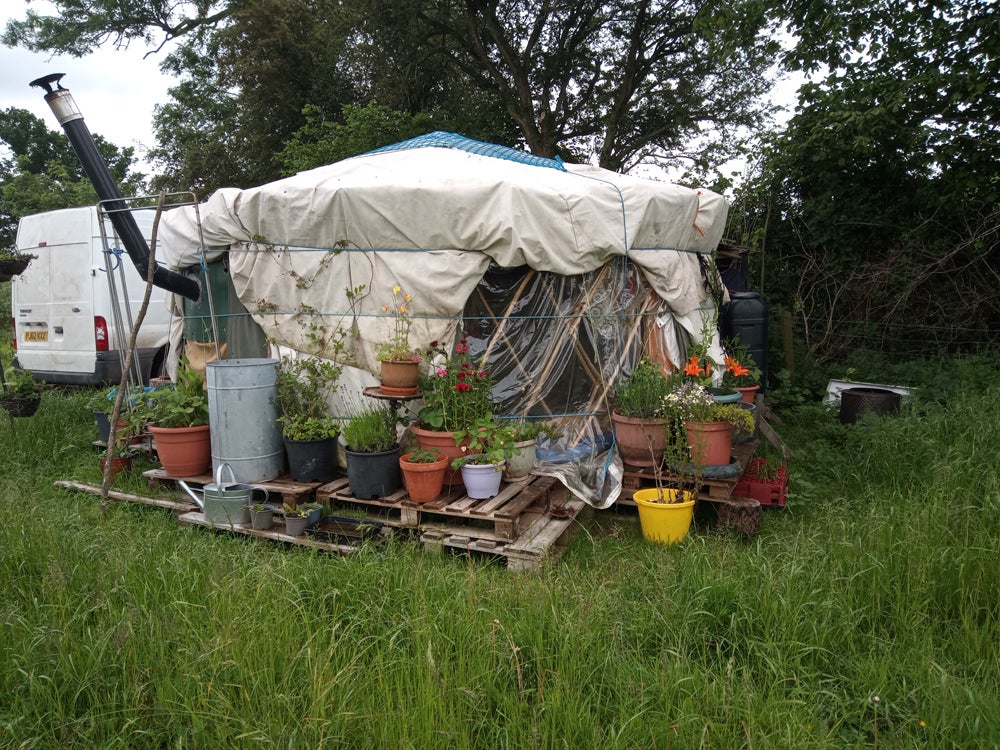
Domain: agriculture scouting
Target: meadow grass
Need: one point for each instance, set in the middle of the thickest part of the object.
(863, 615)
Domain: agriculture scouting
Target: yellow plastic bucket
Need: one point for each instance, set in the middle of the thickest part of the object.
(664, 523)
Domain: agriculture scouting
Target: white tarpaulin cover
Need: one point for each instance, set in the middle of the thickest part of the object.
(459, 210)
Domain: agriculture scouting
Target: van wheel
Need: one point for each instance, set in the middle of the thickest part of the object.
(156, 370)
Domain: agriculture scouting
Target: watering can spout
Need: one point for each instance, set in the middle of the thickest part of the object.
(190, 492)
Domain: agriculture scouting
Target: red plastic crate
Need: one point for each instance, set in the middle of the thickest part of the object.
(756, 484)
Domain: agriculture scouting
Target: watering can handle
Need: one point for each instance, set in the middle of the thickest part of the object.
(267, 495)
(218, 474)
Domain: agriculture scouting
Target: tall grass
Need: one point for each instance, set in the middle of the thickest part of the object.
(865, 614)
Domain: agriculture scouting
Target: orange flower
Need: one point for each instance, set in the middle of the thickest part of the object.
(692, 368)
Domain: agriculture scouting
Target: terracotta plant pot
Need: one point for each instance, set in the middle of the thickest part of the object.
(711, 443)
(748, 392)
(399, 377)
(118, 465)
(641, 441)
(445, 443)
(423, 481)
(183, 451)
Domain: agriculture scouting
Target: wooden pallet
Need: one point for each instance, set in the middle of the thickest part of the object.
(712, 490)
(498, 519)
(543, 540)
(279, 491)
(340, 535)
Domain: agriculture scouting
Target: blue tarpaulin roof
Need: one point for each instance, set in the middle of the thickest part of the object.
(442, 139)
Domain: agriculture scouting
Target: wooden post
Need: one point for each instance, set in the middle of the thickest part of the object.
(786, 340)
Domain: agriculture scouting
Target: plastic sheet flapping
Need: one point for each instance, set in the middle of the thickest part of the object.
(555, 345)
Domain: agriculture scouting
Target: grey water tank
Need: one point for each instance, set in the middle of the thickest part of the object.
(244, 418)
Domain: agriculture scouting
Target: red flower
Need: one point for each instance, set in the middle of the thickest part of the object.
(462, 387)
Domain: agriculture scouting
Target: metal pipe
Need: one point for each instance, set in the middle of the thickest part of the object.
(64, 107)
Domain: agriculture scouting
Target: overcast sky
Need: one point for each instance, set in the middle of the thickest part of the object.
(115, 90)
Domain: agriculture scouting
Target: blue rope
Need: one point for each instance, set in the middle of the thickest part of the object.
(116, 253)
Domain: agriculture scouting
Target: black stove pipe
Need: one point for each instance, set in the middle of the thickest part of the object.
(64, 107)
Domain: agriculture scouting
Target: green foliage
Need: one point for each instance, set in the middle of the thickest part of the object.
(303, 386)
(322, 141)
(181, 404)
(879, 579)
(45, 173)
(640, 394)
(530, 429)
(300, 510)
(880, 197)
(371, 430)
(457, 391)
(19, 382)
(488, 443)
(422, 456)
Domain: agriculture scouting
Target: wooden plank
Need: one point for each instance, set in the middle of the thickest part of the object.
(160, 502)
(275, 534)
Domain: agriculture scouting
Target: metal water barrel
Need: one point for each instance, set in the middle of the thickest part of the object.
(244, 418)
(854, 402)
(745, 317)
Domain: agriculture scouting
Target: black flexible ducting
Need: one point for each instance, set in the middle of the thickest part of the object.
(64, 107)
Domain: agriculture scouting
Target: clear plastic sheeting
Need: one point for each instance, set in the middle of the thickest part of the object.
(555, 345)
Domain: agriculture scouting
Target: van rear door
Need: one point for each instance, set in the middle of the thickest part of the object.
(54, 297)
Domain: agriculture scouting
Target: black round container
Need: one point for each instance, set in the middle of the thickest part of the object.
(857, 401)
(745, 317)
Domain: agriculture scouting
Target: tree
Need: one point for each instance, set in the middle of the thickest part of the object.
(43, 171)
(623, 81)
(626, 81)
(882, 191)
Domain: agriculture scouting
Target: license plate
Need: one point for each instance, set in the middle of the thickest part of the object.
(36, 335)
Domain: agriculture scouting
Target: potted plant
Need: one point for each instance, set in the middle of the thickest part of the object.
(665, 513)
(423, 474)
(742, 372)
(399, 362)
(457, 391)
(372, 447)
(261, 516)
(12, 263)
(524, 437)
(486, 448)
(308, 428)
(21, 393)
(296, 519)
(177, 416)
(708, 424)
(637, 414)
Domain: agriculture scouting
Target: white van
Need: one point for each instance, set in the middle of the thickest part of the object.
(64, 321)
